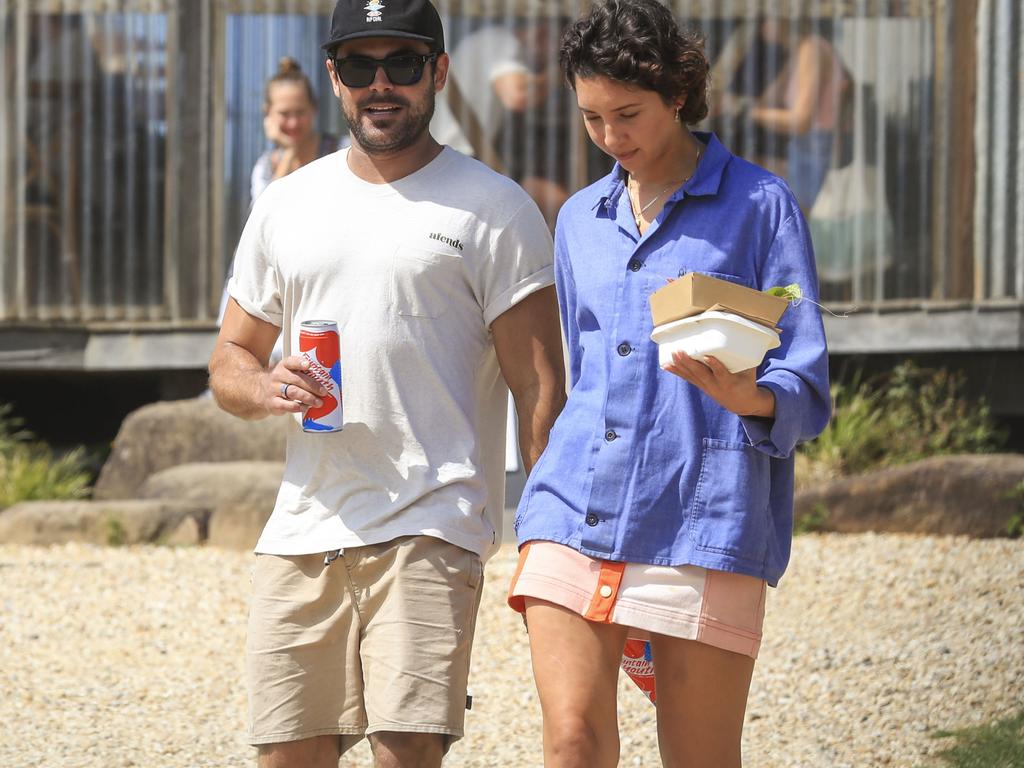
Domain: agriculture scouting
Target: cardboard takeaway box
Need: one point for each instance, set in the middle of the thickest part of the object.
(694, 293)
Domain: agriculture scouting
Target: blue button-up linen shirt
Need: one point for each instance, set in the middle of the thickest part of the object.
(641, 466)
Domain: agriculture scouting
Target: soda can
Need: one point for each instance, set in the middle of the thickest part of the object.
(320, 344)
(638, 664)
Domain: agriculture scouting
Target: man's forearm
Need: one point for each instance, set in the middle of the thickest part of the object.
(237, 381)
(537, 408)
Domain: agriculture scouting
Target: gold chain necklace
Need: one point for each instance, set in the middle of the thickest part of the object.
(638, 215)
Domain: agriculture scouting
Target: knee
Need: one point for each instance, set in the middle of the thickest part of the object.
(579, 741)
(407, 750)
(306, 753)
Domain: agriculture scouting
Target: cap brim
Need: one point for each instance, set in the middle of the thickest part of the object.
(375, 33)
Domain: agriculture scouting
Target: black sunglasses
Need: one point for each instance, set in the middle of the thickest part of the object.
(404, 69)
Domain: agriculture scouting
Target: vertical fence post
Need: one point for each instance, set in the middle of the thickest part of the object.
(188, 243)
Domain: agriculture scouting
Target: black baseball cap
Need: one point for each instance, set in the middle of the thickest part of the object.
(410, 19)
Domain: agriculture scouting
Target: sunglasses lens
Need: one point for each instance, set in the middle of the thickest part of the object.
(356, 73)
(403, 70)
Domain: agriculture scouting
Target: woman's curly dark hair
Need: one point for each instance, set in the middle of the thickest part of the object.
(638, 42)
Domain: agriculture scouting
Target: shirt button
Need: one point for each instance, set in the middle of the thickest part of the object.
(591, 519)
(624, 349)
(635, 265)
(606, 591)
(610, 435)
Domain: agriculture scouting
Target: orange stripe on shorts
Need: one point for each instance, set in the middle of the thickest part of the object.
(607, 590)
(518, 602)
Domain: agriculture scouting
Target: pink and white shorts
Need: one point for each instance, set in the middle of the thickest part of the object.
(722, 609)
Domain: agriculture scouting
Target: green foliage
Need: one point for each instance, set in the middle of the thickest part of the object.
(907, 414)
(116, 535)
(813, 522)
(30, 471)
(995, 745)
(1015, 525)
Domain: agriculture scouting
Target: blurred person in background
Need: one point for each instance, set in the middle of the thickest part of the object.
(289, 123)
(804, 104)
(506, 88)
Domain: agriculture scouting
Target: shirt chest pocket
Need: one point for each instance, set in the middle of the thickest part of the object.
(424, 283)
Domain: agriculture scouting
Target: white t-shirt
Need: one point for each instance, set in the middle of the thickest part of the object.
(414, 272)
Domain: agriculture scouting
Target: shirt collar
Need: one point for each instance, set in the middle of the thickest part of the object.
(706, 180)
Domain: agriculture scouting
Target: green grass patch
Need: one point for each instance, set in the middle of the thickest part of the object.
(994, 745)
(904, 415)
(30, 471)
(813, 522)
(1015, 525)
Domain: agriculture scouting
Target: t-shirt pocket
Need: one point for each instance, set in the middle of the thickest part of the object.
(730, 507)
(423, 283)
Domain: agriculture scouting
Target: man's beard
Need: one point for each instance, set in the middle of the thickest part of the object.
(394, 138)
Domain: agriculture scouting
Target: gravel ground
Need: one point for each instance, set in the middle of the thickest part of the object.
(133, 657)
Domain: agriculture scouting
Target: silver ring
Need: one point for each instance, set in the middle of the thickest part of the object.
(284, 390)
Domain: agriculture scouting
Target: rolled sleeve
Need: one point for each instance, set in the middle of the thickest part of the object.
(520, 263)
(255, 282)
(542, 278)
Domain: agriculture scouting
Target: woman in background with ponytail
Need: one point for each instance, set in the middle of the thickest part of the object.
(289, 109)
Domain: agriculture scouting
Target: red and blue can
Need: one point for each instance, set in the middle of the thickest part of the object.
(320, 344)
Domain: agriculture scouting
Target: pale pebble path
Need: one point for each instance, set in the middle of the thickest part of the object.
(133, 657)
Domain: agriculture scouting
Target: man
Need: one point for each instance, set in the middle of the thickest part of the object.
(438, 273)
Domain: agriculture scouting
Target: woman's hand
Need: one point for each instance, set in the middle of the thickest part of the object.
(736, 392)
(272, 130)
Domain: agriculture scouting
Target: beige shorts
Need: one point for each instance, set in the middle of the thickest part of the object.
(379, 640)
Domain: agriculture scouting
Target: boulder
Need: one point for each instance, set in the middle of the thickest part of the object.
(237, 526)
(169, 434)
(241, 495)
(970, 495)
(216, 484)
(101, 522)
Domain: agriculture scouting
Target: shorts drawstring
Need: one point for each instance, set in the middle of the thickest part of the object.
(330, 557)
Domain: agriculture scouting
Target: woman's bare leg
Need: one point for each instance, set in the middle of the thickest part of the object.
(702, 697)
(576, 668)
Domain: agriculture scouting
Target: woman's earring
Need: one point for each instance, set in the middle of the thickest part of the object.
(678, 110)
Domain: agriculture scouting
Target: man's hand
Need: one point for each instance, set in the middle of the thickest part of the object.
(289, 389)
(528, 344)
(736, 392)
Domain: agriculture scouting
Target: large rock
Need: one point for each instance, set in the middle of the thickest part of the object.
(164, 435)
(103, 522)
(240, 493)
(955, 495)
(217, 484)
(237, 526)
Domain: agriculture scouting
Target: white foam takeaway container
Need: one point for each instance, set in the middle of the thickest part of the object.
(738, 343)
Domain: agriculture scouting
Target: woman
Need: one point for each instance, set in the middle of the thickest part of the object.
(662, 506)
(289, 121)
(805, 103)
(289, 110)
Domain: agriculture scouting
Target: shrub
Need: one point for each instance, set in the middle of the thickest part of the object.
(30, 470)
(907, 414)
